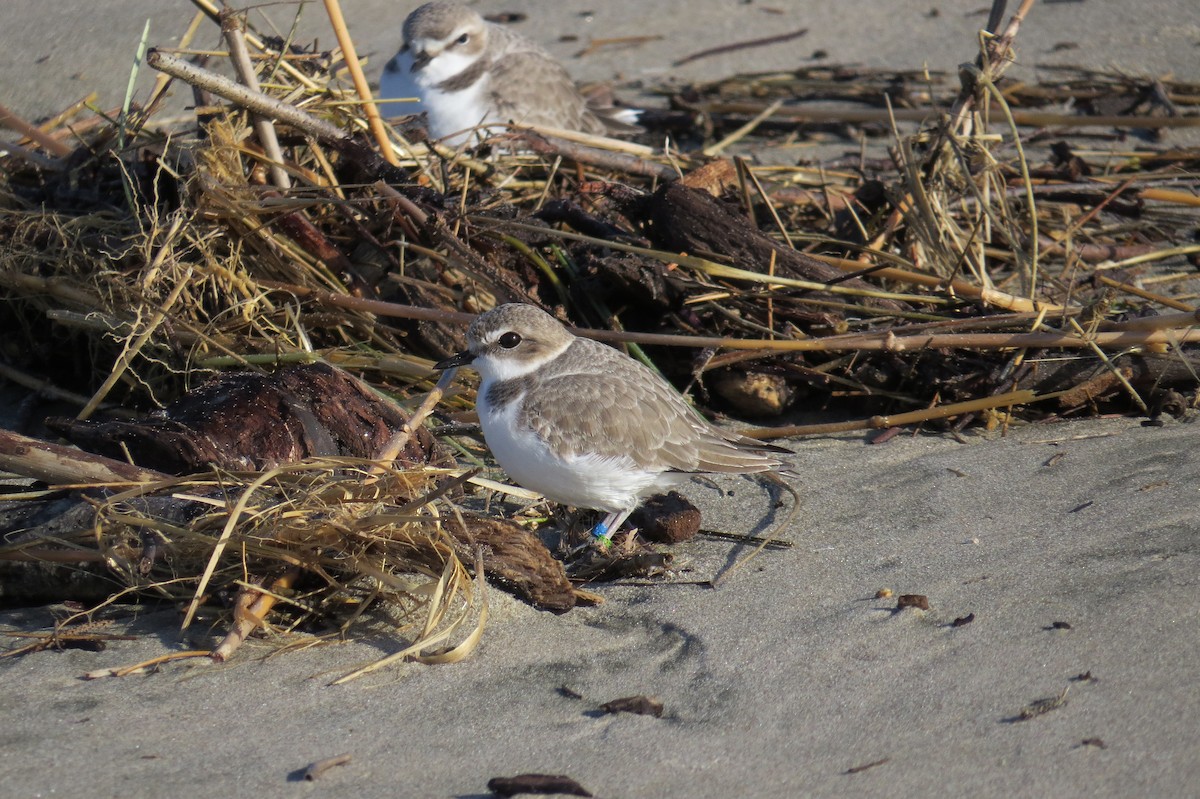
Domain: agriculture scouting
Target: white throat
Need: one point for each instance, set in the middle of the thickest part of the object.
(444, 66)
(507, 366)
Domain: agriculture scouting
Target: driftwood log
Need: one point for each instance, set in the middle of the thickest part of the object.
(683, 219)
(248, 421)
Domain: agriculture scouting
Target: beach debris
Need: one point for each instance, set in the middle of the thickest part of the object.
(635, 562)
(536, 784)
(866, 766)
(667, 519)
(1059, 625)
(1098, 743)
(963, 621)
(641, 705)
(883, 593)
(146, 666)
(736, 46)
(315, 770)
(1043, 706)
(918, 601)
(251, 421)
(57, 640)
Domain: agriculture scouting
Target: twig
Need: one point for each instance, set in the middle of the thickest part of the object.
(1145, 295)
(731, 48)
(1028, 118)
(57, 464)
(744, 130)
(1126, 337)
(615, 41)
(603, 159)
(897, 420)
(137, 668)
(334, 10)
(400, 440)
(242, 96)
(48, 143)
(1163, 322)
(318, 768)
(1108, 364)
(214, 14)
(233, 27)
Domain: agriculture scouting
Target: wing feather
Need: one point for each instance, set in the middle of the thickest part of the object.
(530, 88)
(615, 407)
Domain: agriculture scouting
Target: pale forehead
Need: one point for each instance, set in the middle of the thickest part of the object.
(527, 320)
(437, 20)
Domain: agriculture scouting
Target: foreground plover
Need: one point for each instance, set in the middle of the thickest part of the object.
(586, 425)
(469, 73)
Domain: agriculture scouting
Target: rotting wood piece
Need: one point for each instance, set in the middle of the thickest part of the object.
(682, 219)
(515, 559)
(251, 421)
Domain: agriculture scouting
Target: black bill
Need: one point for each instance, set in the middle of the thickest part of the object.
(462, 359)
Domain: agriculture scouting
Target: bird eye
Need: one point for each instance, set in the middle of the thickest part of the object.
(510, 340)
(466, 37)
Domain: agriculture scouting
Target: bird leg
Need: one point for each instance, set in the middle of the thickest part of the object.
(609, 525)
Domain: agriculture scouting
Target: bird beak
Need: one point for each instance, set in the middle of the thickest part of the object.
(462, 359)
(420, 60)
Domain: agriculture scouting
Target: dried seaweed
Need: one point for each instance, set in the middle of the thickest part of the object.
(1008, 259)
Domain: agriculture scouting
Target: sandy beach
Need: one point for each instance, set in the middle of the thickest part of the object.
(1060, 561)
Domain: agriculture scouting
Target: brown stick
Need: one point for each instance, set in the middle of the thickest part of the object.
(898, 419)
(731, 48)
(48, 143)
(249, 612)
(57, 464)
(1125, 336)
(1040, 119)
(592, 156)
(400, 440)
(315, 770)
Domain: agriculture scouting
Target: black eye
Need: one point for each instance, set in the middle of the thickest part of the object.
(466, 37)
(510, 340)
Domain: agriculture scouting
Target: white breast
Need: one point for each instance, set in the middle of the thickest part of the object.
(458, 112)
(585, 481)
(448, 112)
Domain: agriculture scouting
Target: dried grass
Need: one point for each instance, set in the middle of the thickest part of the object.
(178, 253)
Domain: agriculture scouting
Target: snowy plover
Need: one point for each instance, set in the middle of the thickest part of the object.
(586, 425)
(468, 72)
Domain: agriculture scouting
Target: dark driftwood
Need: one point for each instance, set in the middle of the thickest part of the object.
(682, 219)
(247, 421)
(1085, 381)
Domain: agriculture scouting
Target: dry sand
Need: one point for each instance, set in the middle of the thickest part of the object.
(792, 674)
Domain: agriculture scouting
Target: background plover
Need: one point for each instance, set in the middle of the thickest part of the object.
(468, 73)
